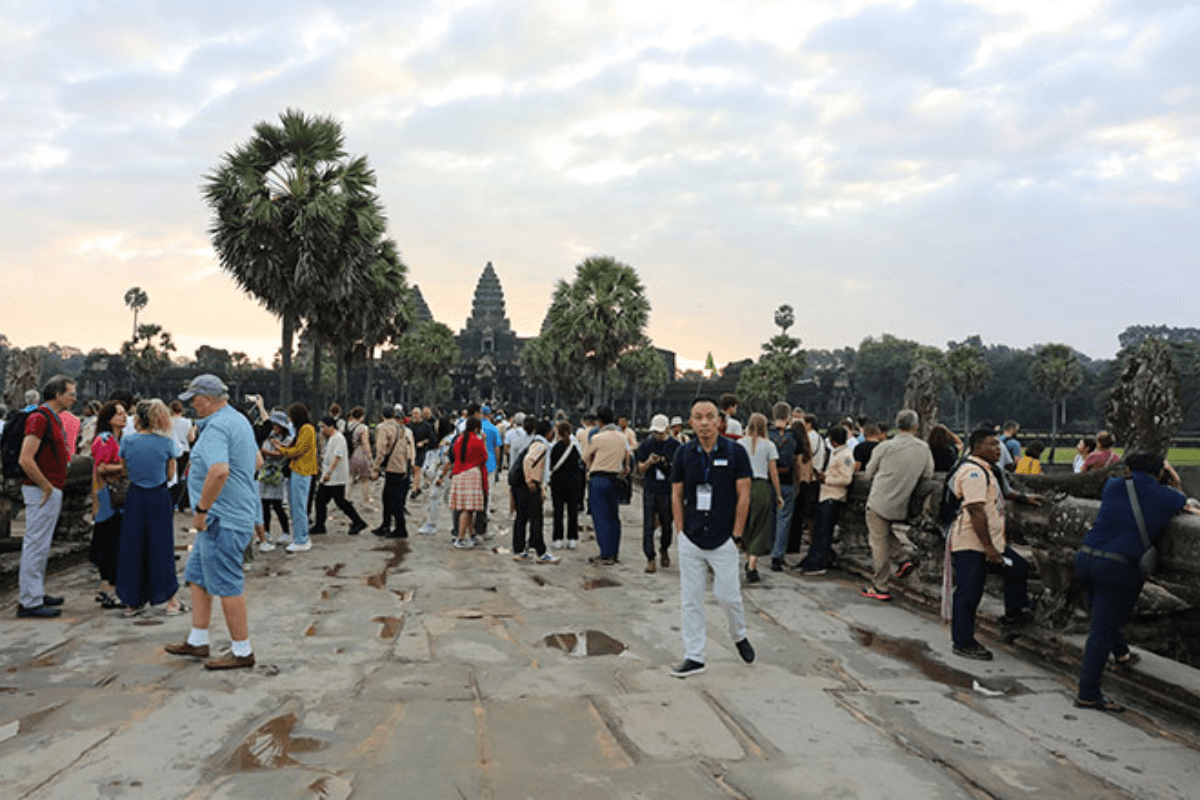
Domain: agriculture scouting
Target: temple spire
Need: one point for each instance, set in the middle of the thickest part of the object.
(487, 308)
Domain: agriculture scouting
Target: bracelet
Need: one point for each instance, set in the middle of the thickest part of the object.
(200, 510)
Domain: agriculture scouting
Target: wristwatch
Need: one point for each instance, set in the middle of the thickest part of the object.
(200, 510)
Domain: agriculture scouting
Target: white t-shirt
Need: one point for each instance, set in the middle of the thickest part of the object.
(335, 447)
(181, 428)
(733, 427)
(764, 453)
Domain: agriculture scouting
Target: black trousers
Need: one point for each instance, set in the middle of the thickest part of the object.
(565, 499)
(337, 494)
(395, 502)
(277, 505)
(529, 514)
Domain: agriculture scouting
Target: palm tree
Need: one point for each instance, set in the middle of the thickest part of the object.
(967, 373)
(598, 316)
(375, 310)
(136, 299)
(296, 222)
(1055, 371)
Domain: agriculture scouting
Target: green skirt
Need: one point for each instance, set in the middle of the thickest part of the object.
(760, 523)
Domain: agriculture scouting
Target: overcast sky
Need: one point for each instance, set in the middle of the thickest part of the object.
(1028, 170)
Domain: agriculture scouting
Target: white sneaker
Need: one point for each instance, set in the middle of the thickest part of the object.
(547, 558)
(557, 544)
(572, 544)
(299, 548)
(464, 544)
(427, 530)
(247, 566)
(283, 538)
(265, 547)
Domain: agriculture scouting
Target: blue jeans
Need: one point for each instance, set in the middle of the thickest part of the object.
(656, 512)
(298, 503)
(971, 569)
(1112, 590)
(783, 520)
(820, 552)
(604, 500)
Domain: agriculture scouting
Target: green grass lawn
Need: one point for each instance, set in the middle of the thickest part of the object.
(1176, 455)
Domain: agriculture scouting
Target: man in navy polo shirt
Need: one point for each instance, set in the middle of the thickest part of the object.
(710, 498)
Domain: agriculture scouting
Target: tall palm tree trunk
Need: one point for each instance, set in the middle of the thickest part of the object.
(285, 378)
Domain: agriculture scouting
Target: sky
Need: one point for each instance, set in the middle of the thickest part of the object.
(1024, 170)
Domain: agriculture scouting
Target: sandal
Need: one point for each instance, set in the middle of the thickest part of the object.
(1103, 704)
(182, 608)
(111, 601)
(1127, 660)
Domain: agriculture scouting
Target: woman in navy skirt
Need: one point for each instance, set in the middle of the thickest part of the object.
(146, 573)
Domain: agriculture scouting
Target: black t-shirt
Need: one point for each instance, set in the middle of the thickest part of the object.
(862, 452)
(422, 431)
(721, 469)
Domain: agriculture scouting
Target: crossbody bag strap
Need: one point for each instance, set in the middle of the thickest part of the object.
(1137, 513)
(562, 459)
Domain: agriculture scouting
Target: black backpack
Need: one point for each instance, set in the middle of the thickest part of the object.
(951, 505)
(14, 436)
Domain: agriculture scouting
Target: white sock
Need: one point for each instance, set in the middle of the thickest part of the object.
(198, 637)
(241, 649)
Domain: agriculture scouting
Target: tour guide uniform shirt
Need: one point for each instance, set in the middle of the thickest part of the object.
(719, 471)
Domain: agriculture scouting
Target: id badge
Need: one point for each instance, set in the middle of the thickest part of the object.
(704, 497)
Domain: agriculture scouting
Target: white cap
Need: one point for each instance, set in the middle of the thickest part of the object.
(676, 421)
(659, 423)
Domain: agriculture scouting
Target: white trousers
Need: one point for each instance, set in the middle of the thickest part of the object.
(693, 577)
(35, 548)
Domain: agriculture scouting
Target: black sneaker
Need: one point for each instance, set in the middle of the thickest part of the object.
(1023, 617)
(752, 576)
(745, 651)
(317, 531)
(974, 651)
(776, 565)
(51, 600)
(380, 531)
(689, 667)
(357, 528)
(43, 612)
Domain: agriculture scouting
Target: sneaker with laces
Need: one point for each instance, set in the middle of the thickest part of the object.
(557, 544)
(464, 544)
(295, 547)
(522, 557)
(265, 547)
(876, 594)
(572, 544)
(745, 651)
(284, 538)
(546, 558)
(688, 668)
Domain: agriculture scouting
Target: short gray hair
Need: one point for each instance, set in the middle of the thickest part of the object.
(907, 419)
(32, 396)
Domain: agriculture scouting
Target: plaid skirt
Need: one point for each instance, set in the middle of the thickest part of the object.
(466, 491)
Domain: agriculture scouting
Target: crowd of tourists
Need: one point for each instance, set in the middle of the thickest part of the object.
(729, 496)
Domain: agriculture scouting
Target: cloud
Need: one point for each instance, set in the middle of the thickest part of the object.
(872, 163)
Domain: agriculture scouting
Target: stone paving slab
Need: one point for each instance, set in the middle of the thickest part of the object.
(408, 669)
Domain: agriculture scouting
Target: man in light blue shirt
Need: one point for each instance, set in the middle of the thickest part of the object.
(225, 497)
